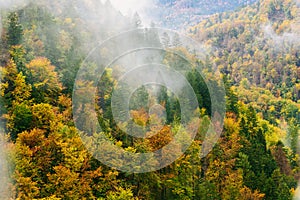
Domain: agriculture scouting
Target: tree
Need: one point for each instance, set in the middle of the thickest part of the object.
(231, 97)
(14, 32)
(293, 135)
(140, 99)
(22, 91)
(17, 54)
(201, 90)
(165, 40)
(176, 40)
(16, 99)
(9, 75)
(43, 116)
(120, 194)
(247, 194)
(20, 120)
(136, 20)
(263, 167)
(44, 80)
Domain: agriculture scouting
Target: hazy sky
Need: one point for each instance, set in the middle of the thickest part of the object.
(134, 5)
(10, 4)
(122, 5)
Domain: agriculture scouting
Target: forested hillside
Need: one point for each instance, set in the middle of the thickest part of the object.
(180, 14)
(46, 119)
(258, 49)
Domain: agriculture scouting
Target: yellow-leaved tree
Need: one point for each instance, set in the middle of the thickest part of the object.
(44, 80)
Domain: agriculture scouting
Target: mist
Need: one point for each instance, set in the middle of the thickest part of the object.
(12, 4)
(5, 173)
(129, 6)
(283, 41)
(95, 22)
(5, 180)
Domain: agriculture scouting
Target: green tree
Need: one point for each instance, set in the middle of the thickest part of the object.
(140, 99)
(17, 54)
(20, 120)
(293, 135)
(14, 30)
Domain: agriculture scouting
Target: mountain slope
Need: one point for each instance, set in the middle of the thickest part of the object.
(179, 14)
(257, 48)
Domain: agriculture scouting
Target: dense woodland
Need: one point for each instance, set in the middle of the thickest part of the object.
(180, 14)
(256, 50)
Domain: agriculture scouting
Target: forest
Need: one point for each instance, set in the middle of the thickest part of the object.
(181, 14)
(236, 135)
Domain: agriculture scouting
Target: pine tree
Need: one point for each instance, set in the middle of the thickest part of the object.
(14, 32)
